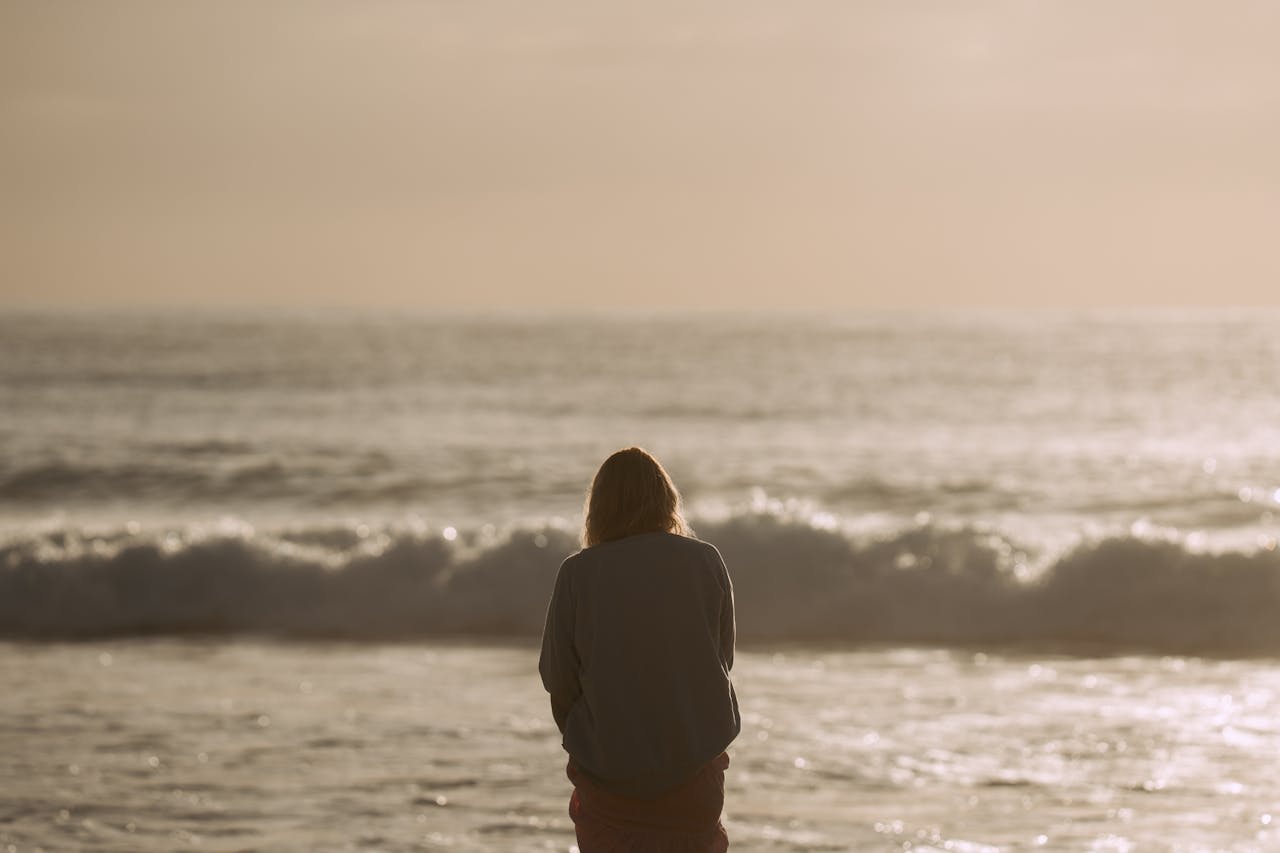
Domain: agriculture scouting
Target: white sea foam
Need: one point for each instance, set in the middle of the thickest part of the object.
(924, 583)
(154, 745)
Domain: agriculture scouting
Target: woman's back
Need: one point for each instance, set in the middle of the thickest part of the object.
(636, 656)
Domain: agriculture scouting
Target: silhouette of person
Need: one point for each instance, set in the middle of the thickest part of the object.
(636, 655)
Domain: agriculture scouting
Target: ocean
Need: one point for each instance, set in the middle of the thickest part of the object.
(1004, 581)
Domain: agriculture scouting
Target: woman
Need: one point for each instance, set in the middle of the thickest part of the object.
(636, 655)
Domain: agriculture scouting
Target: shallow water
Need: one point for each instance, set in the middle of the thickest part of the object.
(154, 745)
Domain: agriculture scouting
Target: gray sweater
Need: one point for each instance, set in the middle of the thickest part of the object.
(636, 655)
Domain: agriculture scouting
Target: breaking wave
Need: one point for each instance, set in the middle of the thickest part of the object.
(182, 473)
(926, 584)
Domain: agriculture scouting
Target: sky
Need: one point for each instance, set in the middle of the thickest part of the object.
(822, 155)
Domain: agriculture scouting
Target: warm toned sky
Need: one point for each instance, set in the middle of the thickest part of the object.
(471, 154)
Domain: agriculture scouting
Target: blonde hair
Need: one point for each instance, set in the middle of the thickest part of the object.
(631, 494)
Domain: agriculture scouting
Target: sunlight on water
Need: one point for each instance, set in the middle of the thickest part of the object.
(286, 747)
(1002, 489)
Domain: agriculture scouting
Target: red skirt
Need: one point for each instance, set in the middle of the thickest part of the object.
(685, 820)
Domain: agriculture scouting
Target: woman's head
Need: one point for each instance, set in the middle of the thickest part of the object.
(631, 494)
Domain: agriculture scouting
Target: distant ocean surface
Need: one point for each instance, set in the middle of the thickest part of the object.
(1104, 481)
(1004, 582)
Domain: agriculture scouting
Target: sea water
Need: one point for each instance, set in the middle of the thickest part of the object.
(233, 745)
(1004, 581)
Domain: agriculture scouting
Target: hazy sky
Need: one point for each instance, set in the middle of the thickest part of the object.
(472, 154)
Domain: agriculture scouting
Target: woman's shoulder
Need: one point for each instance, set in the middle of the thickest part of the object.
(687, 548)
(693, 545)
(654, 541)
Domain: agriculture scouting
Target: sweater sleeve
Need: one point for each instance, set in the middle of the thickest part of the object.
(728, 620)
(559, 664)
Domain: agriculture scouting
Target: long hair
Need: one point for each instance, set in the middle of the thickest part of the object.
(631, 494)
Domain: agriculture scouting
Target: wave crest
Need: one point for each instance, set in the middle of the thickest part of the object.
(925, 584)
